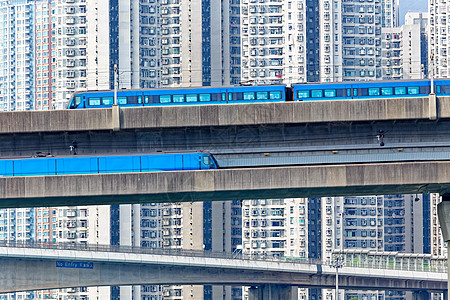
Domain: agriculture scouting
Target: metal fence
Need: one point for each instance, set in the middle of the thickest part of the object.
(392, 260)
(349, 258)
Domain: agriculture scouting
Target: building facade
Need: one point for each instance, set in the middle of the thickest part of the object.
(351, 38)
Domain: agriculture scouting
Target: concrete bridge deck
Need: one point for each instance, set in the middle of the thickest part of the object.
(49, 267)
(226, 184)
(225, 115)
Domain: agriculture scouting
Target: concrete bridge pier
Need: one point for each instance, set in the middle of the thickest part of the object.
(274, 292)
(444, 222)
(421, 295)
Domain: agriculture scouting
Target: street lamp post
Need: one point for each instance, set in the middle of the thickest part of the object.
(337, 261)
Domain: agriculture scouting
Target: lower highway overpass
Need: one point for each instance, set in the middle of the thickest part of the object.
(226, 184)
(55, 267)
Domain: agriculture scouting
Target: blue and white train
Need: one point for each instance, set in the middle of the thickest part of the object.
(255, 94)
(106, 164)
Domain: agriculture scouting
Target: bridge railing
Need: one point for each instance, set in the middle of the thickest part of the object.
(392, 260)
(155, 251)
(349, 258)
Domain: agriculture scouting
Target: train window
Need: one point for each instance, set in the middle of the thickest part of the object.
(341, 92)
(424, 89)
(146, 99)
(374, 91)
(400, 90)
(152, 98)
(224, 97)
(204, 97)
(131, 100)
(94, 101)
(236, 96)
(206, 160)
(230, 96)
(330, 93)
(178, 98)
(164, 99)
(262, 95)
(413, 90)
(444, 89)
(107, 100)
(438, 89)
(355, 92)
(316, 93)
(121, 100)
(386, 91)
(191, 98)
(249, 96)
(303, 94)
(140, 99)
(274, 95)
(77, 101)
(349, 92)
(216, 97)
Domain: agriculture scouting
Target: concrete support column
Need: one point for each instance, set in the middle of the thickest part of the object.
(445, 295)
(115, 118)
(444, 222)
(421, 295)
(432, 106)
(274, 292)
(255, 293)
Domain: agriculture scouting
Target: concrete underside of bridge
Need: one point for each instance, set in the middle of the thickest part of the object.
(34, 274)
(226, 184)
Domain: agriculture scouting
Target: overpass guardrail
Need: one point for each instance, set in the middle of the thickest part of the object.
(349, 258)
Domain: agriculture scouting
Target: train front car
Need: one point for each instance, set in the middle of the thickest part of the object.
(207, 161)
(80, 165)
(180, 96)
(77, 101)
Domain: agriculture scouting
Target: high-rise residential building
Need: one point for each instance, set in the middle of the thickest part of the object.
(70, 25)
(172, 46)
(276, 228)
(411, 49)
(438, 39)
(52, 49)
(404, 49)
(45, 51)
(351, 38)
(199, 226)
(392, 53)
(17, 73)
(274, 36)
(393, 223)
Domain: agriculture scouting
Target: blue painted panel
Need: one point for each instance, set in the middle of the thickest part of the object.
(6, 168)
(34, 167)
(76, 165)
(107, 164)
(119, 164)
(158, 162)
(191, 161)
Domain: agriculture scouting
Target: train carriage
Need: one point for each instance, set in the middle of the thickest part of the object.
(367, 90)
(268, 93)
(180, 96)
(72, 165)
